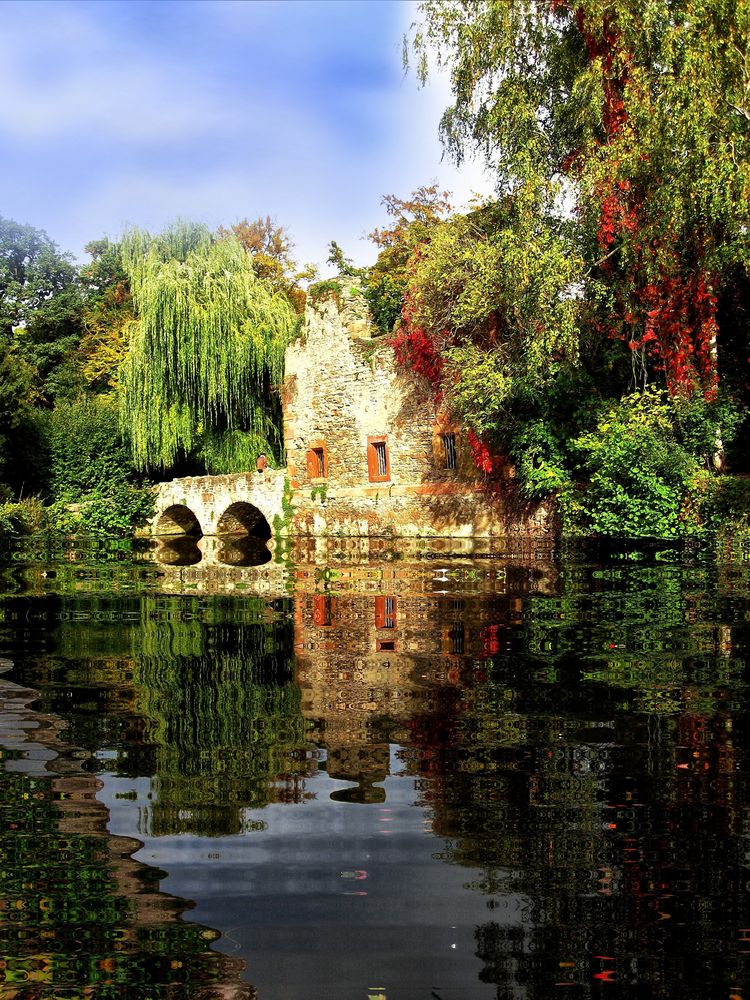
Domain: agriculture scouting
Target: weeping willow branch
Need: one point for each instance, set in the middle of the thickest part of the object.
(208, 347)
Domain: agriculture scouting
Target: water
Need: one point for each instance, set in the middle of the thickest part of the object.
(398, 773)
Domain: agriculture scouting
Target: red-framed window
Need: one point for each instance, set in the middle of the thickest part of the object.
(324, 609)
(385, 612)
(378, 459)
(317, 460)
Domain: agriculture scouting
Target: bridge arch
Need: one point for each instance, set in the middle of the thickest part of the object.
(242, 518)
(178, 519)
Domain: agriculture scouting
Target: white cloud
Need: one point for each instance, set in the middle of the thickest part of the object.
(187, 142)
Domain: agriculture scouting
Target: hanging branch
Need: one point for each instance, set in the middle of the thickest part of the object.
(208, 347)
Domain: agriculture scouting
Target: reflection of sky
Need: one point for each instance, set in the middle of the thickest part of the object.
(329, 899)
(118, 113)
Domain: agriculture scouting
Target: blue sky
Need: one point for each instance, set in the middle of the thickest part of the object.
(118, 113)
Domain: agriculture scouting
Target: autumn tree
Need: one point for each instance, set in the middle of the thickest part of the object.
(638, 113)
(270, 248)
(108, 318)
(411, 221)
(617, 132)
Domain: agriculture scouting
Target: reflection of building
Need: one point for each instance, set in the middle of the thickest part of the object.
(390, 648)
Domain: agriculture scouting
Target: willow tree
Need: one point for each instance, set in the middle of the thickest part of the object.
(206, 354)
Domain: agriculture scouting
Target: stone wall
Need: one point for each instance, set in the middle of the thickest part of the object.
(342, 389)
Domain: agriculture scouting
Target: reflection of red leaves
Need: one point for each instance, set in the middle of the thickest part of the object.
(605, 976)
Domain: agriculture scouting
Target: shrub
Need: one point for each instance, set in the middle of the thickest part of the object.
(107, 513)
(87, 451)
(641, 480)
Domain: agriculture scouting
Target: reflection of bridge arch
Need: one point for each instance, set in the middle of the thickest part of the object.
(242, 518)
(178, 520)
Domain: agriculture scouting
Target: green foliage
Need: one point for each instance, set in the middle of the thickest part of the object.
(344, 265)
(17, 397)
(24, 517)
(726, 507)
(208, 349)
(331, 288)
(540, 457)
(40, 304)
(106, 511)
(222, 452)
(87, 449)
(108, 317)
(412, 222)
(642, 480)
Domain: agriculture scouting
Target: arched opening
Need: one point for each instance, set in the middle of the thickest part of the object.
(178, 520)
(178, 550)
(243, 519)
(243, 550)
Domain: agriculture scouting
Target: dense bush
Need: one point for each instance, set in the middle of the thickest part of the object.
(113, 510)
(640, 478)
(87, 450)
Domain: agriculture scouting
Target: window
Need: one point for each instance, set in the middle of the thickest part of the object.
(378, 461)
(385, 612)
(317, 461)
(454, 639)
(449, 450)
(385, 646)
(324, 610)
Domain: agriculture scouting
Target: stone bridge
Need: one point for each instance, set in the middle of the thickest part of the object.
(242, 504)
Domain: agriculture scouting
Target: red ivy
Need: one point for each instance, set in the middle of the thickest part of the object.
(673, 317)
(415, 350)
(483, 459)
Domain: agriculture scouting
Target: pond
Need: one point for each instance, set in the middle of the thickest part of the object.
(375, 772)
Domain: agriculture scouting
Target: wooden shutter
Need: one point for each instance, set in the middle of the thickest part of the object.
(374, 471)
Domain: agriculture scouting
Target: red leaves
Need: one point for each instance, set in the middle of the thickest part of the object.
(483, 457)
(415, 350)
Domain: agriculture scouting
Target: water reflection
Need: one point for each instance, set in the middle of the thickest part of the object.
(178, 550)
(469, 777)
(227, 550)
(80, 916)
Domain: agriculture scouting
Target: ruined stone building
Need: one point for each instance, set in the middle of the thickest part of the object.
(368, 453)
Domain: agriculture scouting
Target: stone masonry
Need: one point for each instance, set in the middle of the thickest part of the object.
(344, 393)
(220, 505)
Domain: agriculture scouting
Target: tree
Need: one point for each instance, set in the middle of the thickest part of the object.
(108, 317)
(208, 349)
(638, 110)
(40, 305)
(413, 220)
(270, 248)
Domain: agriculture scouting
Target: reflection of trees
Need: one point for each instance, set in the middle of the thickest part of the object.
(198, 693)
(79, 916)
(596, 783)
